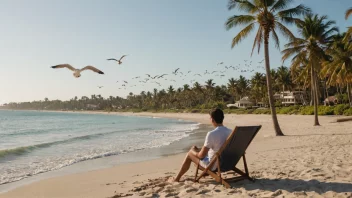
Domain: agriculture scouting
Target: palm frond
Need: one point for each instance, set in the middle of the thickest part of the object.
(280, 4)
(285, 31)
(258, 40)
(276, 40)
(296, 11)
(243, 5)
(348, 13)
(289, 52)
(242, 34)
(238, 20)
(330, 32)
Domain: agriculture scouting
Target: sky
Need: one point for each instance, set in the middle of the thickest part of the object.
(158, 35)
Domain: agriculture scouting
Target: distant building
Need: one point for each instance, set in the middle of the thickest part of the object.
(92, 107)
(244, 103)
(292, 97)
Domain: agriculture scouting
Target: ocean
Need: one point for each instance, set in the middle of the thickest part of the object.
(33, 142)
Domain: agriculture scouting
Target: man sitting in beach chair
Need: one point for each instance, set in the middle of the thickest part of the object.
(213, 142)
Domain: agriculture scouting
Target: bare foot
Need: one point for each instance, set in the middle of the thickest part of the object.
(172, 180)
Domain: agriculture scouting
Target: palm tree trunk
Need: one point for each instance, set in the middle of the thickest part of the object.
(311, 93)
(314, 96)
(349, 94)
(270, 91)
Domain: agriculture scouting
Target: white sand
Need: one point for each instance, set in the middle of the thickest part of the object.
(308, 161)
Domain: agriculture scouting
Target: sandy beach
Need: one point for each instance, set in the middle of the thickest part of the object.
(308, 161)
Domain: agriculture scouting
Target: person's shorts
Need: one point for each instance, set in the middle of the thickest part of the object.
(204, 162)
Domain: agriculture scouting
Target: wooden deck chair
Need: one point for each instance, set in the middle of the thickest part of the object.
(229, 155)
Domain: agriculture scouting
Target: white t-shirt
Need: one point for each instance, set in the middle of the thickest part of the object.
(215, 139)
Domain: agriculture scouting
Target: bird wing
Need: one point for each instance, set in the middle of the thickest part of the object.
(68, 66)
(122, 57)
(114, 59)
(92, 68)
(177, 70)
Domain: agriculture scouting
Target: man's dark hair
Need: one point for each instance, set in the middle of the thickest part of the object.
(217, 115)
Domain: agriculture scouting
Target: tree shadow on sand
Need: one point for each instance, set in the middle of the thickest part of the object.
(292, 185)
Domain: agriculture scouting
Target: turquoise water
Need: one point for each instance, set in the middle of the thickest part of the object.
(35, 142)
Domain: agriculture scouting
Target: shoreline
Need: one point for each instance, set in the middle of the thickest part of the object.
(308, 161)
(176, 147)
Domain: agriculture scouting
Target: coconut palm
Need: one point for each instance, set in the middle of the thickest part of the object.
(231, 86)
(242, 86)
(339, 68)
(258, 86)
(284, 78)
(268, 15)
(316, 33)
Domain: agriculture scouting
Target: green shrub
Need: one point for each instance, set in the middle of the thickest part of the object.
(233, 107)
(339, 109)
(220, 105)
(262, 111)
(348, 112)
(307, 110)
(278, 104)
(325, 110)
(288, 110)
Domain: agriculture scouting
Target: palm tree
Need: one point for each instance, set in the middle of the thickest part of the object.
(284, 78)
(186, 87)
(268, 15)
(258, 86)
(309, 50)
(231, 86)
(242, 86)
(339, 69)
(209, 84)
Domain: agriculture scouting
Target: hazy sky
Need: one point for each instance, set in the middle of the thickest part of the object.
(159, 35)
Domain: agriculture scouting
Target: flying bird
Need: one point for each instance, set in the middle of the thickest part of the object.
(154, 77)
(100, 87)
(220, 63)
(197, 75)
(175, 72)
(214, 72)
(77, 72)
(148, 75)
(118, 61)
(125, 82)
(161, 76)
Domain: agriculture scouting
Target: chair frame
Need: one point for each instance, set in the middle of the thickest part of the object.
(216, 159)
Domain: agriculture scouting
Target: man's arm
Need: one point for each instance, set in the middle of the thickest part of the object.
(200, 154)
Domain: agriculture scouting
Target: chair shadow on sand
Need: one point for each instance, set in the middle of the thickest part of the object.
(292, 185)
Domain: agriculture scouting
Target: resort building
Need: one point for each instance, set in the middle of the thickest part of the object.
(244, 103)
(292, 98)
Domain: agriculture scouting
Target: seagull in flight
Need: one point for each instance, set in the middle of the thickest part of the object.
(77, 72)
(220, 63)
(161, 76)
(118, 61)
(175, 72)
(125, 82)
(100, 87)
